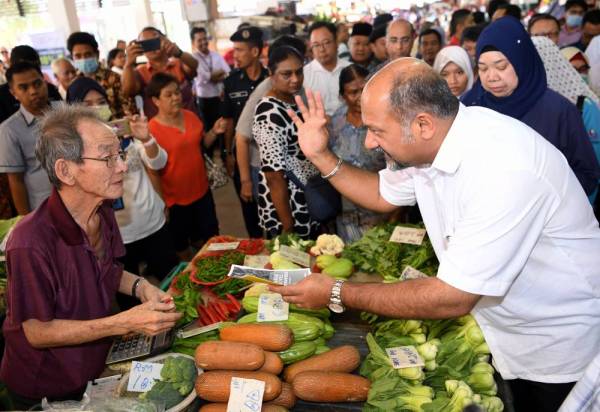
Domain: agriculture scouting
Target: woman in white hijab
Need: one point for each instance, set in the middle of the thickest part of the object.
(593, 54)
(453, 64)
(564, 79)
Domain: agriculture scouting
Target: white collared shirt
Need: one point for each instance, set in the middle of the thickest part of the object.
(317, 78)
(509, 221)
(207, 64)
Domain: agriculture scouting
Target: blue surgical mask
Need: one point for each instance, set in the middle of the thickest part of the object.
(89, 65)
(574, 20)
(585, 78)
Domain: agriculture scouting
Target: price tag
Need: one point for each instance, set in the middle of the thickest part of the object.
(271, 307)
(404, 357)
(256, 261)
(411, 273)
(214, 247)
(294, 255)
(409, 235)
(246, 395)
(272, 277)
(142, 376)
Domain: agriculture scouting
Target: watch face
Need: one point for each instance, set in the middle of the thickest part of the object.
(336, 307)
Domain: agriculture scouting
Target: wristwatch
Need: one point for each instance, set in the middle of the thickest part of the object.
(335, 301)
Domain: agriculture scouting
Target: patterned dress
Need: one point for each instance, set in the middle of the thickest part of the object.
(111, 82)
(348, 142)
(277, 140)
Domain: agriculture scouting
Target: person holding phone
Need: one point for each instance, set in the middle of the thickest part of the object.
(143, 219)
(163, 56)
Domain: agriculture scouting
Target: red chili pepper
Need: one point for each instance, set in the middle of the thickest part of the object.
(234, 302)
(204, 319)
(223, 313)
(214, 316)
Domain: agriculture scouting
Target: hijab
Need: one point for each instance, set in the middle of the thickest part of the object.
(593, 54)
(458, 56)
(80, 87)
(562, 77)
(508, 36)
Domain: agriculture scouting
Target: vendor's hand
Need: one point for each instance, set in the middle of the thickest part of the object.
(150, 293)
(246, 191)
(150, 318)
(220, 126)
(313, 292)
(230, 164)
(139, 127)
(312, 131)
(133, 51)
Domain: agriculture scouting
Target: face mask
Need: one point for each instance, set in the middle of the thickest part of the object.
(86, 65)
(103, 112)
(574, 20)
(585, 78)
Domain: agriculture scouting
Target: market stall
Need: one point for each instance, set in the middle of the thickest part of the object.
(314, 360)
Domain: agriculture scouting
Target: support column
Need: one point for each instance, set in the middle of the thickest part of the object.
(143, 14)
(64, 16)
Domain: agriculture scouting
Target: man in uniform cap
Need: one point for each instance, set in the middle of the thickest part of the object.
(360, 51)
(377, 44)
(247, 46)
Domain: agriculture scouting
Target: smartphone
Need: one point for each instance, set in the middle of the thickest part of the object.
(121, 127)
(150, 44)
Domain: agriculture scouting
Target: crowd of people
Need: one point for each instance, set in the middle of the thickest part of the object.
(177, 108)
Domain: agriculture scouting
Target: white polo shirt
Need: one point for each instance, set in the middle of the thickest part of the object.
(317, 78)
(509, 221)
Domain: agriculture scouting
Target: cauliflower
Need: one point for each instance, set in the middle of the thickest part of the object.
(327, 245)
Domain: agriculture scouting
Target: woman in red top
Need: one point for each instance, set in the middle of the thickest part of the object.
(184, 182)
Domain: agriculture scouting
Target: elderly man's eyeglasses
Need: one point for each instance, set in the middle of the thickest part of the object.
(110, 160)
(402, 40)
(323, 45)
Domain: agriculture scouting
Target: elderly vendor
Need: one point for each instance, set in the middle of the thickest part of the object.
(63, 270)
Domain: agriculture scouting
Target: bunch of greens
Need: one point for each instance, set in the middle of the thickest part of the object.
(188, 346)
(374, 253)
(215, 268)
(456, 371)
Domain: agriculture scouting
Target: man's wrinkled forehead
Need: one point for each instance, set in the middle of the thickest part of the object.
(98, 136)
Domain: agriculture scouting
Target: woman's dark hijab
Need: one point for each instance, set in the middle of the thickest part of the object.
(508, 36)
(81, 87)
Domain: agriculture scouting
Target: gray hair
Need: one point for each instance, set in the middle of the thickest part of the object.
(56, 62)
(59, 138)
(423, 91)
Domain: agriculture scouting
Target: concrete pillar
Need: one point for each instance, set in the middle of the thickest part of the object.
(64, 16)
(143, 14)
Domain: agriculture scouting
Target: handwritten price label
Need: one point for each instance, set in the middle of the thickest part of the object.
(411, 273)
(404, 357)
(294, 255)
(246, 395)
(143, 375)
(214, 247)
(271, 307)
(409, 235)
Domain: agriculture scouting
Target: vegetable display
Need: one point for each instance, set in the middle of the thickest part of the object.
(177, 379)
(456, 371)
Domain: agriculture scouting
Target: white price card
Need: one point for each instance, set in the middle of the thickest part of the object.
(411, 273)
(246, 395)
(272, 307)
(214, 247)
(409, 235)
(143, 375)
(404, 357)
(294, 255)
(256, 261)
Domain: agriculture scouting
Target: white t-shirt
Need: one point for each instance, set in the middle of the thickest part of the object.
(317, 78)
(144, 209)
(509, 221)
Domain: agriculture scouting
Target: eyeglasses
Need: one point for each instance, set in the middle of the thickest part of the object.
(402, 40)
(582, 69)
(323, 45)
(110, 160)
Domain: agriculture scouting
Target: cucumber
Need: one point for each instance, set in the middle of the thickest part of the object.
(250, 304)
(305, 328)
(297, 352)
